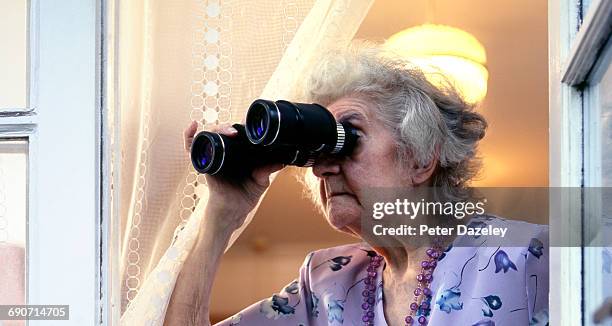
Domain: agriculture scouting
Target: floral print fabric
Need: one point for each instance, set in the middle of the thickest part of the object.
(480, 285)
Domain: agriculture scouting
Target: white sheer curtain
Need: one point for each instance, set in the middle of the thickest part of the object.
(205, 61)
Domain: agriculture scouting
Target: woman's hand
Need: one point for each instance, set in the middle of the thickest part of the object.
(230, 202)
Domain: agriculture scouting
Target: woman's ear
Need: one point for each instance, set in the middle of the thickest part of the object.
(421, 174)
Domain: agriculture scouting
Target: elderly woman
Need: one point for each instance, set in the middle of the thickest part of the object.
(411, 134)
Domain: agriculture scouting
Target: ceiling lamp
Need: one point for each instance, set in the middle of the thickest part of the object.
(454, 52)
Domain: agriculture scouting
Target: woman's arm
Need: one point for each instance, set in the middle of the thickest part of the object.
(227, 206)
(190, 301)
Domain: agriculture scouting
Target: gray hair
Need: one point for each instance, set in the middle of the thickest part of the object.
(425, 118)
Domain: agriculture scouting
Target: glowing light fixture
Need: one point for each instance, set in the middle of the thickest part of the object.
(454, 52)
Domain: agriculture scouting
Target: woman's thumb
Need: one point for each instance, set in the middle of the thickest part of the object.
(262, 174)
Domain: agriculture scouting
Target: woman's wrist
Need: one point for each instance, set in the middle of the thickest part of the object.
(223, 217)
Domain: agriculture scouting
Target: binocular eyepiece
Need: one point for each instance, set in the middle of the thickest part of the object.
(274, 132)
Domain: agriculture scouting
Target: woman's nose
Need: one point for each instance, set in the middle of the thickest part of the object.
(326, 166)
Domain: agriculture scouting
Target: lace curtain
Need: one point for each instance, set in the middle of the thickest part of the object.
(205, 61)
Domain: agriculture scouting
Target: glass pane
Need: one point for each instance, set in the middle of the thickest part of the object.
(584, 7)
(605, 109)
(605, 100)
(598, 173)
(13, 57)
(13, 220)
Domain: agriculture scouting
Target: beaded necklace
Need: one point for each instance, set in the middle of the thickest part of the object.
(425, 277)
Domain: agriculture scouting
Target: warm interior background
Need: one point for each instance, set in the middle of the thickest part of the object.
(515, 150)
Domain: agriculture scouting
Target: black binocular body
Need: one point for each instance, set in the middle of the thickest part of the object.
(274, 132)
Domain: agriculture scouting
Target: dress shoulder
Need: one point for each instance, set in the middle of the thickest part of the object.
(341, 264)
(326, 291)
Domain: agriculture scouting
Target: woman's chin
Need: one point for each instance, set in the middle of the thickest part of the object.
(341, 213)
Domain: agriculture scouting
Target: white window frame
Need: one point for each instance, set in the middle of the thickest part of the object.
(572, 54)
(110, 244)
(66, 208)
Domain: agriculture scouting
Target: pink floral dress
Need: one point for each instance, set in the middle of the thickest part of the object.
(472, 285)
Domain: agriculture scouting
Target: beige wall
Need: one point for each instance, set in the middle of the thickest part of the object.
(514, 34)
(13, 59)
(515, 149)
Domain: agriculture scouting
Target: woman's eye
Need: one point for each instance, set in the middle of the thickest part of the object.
(360, 134)
(360, 138)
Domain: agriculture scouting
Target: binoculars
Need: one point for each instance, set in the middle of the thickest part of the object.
(274, 132)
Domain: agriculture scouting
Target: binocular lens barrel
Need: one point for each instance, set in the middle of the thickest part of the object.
(207, 147)
(282, 122)
(275, 132)
(213, 154)
(259, 116)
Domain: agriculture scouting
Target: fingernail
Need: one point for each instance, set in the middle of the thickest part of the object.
(232, 130)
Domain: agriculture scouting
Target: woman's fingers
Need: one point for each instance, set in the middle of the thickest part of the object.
(225, 129)
(188, 135)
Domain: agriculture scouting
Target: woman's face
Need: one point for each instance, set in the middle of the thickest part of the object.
(373, 163)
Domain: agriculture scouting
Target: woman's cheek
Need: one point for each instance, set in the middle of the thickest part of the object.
(361, 173)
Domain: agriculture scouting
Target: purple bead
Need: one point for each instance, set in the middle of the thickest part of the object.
(427, 291)
(428, 277)
(371, 300)
(376, 264)
(371, 269)
(435, 254)
(424, 305)
(422, 320)
(425, 264)
(429, 252)
(367, 281)
(365, 293)
(409, 320)
(371, 287)
(433, 264)
(365, 306)
(419, 277)
(414, 306)
(372, 274)
(417, 291)
(365, 318)
(378, 258)
(370, 314)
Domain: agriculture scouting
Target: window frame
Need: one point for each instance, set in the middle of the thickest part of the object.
(574, 47)
(63, 123)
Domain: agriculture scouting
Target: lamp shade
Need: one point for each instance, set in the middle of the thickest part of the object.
(443, 49)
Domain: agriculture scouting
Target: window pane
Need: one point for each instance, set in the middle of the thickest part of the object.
(13, 220)
(598, 173)
(605, 107)
(605, 100)
(13, 57)
(584, 7)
